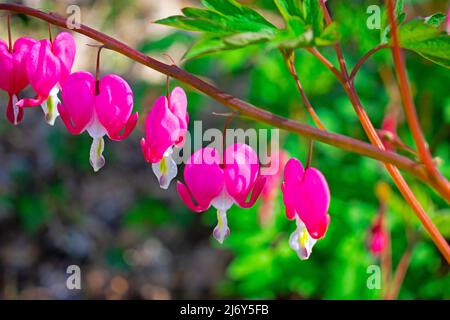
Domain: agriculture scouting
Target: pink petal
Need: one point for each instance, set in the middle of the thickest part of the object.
(178, 106)
(241, 171)
(13, 65)
(22, 48)
(77, 108)
(313, 200)
(160, 126)
(6, 68)
(114, 104)
(43, 71)
(204, 179)
(64, 48)
(255, 193)
(293, 174)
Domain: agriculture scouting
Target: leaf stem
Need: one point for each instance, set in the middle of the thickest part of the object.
(364, 58)
(290, 61)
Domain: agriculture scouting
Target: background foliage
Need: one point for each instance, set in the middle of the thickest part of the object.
(133, 240)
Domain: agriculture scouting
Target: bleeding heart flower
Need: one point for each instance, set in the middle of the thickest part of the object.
(306, 197)
(106, 111)
(378, 237)
(48, 66)
(13, 74)
(165, 128)
(221, 181)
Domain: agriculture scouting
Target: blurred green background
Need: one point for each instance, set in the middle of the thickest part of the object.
(133, 240)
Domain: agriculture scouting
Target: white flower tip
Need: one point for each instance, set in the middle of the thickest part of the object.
(50, 107)
(97, 164)
(165, 170)
(221, 231)
(96, 158)
(15, 109)
(301, 242)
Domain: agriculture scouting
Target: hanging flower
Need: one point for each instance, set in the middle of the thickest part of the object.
(102, 108)
(13, 74)
(48, 66)
(306, 197)
(221, 181)
(165, 128)
(378, 237)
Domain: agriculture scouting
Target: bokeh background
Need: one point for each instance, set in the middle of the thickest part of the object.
(133, 240)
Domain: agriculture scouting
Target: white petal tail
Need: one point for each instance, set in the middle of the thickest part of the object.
(15, 108)
(165, 170)
(222, 203)
(96, 158)
(301, 241)
(221, 231)
(50, 106)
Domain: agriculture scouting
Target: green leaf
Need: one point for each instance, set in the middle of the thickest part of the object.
(424, 37)
(296, 35)
(289, 8)
(436, 19)
(184, 23)
(165, 42)
(329, 36)
(205, 46)
(313, 15)
(234, 9)
(398, 10)
(247, 38)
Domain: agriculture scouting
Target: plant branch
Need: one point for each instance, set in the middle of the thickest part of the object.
(397, 177)
(408, 102)
(255, 113)
(326, 62)
(400, 273)
(365, 57)
(290, 62)
(340, 141)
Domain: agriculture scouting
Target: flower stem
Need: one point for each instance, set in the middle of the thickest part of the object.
(50, 36)
(408, 103)
(97, 71)
(290, 61)
(364, 58)
(10, 47)
(310, 153)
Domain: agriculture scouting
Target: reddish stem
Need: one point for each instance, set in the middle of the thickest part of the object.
(290, 61)
(408, 103)
(97, 71)
(310, 153)
(365, 57)
(10, 47)
(50, 36)
(399, 181)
